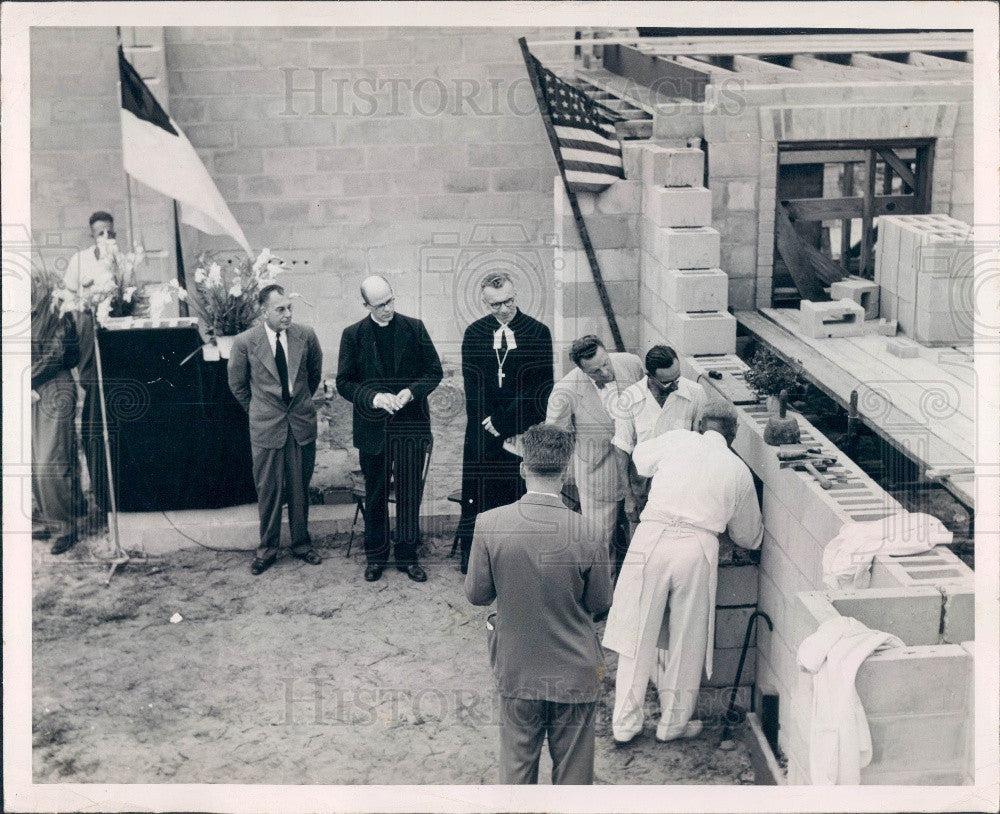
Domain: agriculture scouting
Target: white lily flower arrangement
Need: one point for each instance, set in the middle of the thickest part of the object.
(229, 310)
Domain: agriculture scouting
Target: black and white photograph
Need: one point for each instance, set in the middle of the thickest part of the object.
(418, 406)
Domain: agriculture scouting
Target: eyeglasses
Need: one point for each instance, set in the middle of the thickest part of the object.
(383, 304)
(496, 306)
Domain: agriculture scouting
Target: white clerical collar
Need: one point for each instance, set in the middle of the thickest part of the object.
(382, 324)
(504, 330)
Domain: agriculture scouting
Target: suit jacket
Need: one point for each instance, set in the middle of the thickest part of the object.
(253, 378)
(361, 376)
(550, 575)
(575, 405)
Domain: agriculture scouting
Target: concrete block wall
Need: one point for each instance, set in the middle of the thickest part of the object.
(924, 265)
(76, 152)
(612, 220)
(414, 138)
(918, 699)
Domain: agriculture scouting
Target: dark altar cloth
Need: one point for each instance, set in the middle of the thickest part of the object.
(179, 440)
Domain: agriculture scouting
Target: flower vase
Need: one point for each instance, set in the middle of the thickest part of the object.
(210, 352)
(225, 344)
(773, 405)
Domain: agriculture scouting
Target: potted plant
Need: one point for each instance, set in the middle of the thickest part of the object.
(768, 375)
(225, 299)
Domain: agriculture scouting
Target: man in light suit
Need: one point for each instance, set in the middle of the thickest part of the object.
(274, 369)
(550, 575)
(586, 402)
(388, 366)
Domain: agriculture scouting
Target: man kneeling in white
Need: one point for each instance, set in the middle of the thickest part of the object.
(700, 488)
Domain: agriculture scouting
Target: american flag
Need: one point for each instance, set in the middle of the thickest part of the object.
(590, 149)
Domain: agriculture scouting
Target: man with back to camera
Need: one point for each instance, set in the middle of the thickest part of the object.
(550, 575)
(274, 369)
(507, 372)
(387, 368)
(585, 402)
(699, 489)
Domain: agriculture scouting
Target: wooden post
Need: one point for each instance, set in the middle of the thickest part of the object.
(581, 225)
(865, 266)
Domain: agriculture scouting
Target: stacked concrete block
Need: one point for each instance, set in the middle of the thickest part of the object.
(672, 166)
(700, 333)
(695, 289)
(822, 320)
(924, 265)
(863, 292)
(918, 698)
(678, 206)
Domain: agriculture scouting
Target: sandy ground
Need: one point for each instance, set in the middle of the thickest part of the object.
(306, 674)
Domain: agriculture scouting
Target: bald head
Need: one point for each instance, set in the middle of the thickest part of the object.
(378, 298)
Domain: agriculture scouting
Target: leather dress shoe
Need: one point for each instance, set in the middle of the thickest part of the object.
(259, 566)
(63, 544)
(414, 572)
(309, 556)
(373, 572)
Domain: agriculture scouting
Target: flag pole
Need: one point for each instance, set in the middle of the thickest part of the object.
(128, 178)
(581, 225)
(182, 305)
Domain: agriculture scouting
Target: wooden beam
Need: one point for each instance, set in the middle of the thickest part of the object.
(813, 209)
(922, 60)
(866, 263)
(702, 65)
(900, 168)
(807, 63)
(749, 64)
(941, 41)
(832, 156)
(889, 66)
(662, 75)
(621, 87)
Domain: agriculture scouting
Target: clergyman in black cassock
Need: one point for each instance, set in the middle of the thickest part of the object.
(507, 370)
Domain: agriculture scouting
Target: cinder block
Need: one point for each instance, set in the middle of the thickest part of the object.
(673, 166)
(862, 291)
(828, 319)
(738, 585)
(677, 206)
(935, 742)
(698, 333)
(912, 614)
(959, 612)
(948, 328)
(692, 248)
(903, 348)
(725, 660)
(915, 681)
(621, 198)
(695, 289)
(632, 153)
(731, 627)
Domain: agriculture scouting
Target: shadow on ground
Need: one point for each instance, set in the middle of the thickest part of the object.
(306, 674)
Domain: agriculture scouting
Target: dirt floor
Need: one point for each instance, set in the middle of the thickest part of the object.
(306, 674)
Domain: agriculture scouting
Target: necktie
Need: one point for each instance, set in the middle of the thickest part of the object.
(282, 365)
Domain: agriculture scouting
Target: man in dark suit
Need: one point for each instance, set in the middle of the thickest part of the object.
(507, 371)
(550, 574)
(274, 369)
(387, 368)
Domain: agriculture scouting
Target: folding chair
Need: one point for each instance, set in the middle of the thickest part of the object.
(358, 493)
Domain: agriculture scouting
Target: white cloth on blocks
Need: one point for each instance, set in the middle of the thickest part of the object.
(847, 558)
(840, 742)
